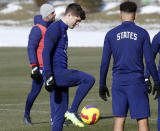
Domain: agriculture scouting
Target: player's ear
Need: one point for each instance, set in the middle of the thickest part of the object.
(69, 14)
(121, 15)
(135, 16)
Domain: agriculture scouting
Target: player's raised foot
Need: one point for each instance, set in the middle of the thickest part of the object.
(27, 121)
(73, 118)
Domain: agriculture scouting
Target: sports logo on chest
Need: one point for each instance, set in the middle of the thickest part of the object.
(127, 35)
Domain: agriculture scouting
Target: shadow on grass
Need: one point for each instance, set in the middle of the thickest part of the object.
(41, 122)
(106, 117)
(66, 123)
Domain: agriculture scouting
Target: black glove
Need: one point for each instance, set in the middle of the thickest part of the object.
(156, 89)
(148, 85)
(35, 74)
(102, 93)
(50, 83)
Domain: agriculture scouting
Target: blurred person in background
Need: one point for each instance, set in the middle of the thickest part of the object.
(35, 48)
(128, 43)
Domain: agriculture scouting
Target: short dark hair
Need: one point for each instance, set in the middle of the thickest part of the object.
(76, 10)
(129, 7)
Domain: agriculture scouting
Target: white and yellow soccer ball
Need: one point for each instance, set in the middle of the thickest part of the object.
(90, 114)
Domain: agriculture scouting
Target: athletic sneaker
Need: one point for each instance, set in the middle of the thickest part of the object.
(72, 117)
(27, 121)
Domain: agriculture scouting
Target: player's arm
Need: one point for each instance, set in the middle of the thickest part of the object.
(150, 64)
(33, 42)
(156, 44)
(155, 47)
(34, 38)
(51, 38)
(106, 56)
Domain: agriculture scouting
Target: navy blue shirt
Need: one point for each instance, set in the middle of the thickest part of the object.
(156, 49)
(127, 43)
(55, 47)
(34, 39)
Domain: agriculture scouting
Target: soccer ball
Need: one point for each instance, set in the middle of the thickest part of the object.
(90, 114)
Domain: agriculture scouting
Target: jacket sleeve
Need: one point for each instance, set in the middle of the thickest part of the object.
(50, 41)
(106, 56)
(149, 59)
(33, 42)
(155, 48)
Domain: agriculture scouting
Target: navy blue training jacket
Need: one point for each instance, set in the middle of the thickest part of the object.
(156, 49)
(127, 43)
(55, 47)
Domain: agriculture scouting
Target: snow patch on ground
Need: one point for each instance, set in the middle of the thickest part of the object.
(62, 2)
(150, 9)
(12, 7)
(79, 37)
(88, 34)
(60, 11)
(113, 12)
(13, 22)
(18, 37)
(109, 5)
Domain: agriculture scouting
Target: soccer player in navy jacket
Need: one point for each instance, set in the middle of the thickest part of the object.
(57, 75)
(156, 49)
(35, 48)
(127, 43)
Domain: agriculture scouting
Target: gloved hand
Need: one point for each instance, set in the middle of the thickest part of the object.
(102, 93)
(50, 83)
(35, 74)
(148, 85)
(156, 89)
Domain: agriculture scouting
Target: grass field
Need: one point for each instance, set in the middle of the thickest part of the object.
(15, 84)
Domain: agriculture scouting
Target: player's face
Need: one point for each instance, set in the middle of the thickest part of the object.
(51, 17)
(73, 21)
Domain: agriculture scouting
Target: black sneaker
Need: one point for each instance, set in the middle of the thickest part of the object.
(27, 121)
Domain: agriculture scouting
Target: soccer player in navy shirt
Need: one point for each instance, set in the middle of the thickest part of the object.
(156, 49)
(127, 43)
(58, 78)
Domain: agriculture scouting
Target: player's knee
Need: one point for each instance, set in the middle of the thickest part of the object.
(92, 79)
(89, 79)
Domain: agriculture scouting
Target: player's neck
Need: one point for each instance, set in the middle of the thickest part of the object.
(64, 19)
(130, 20)
(127, 16)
